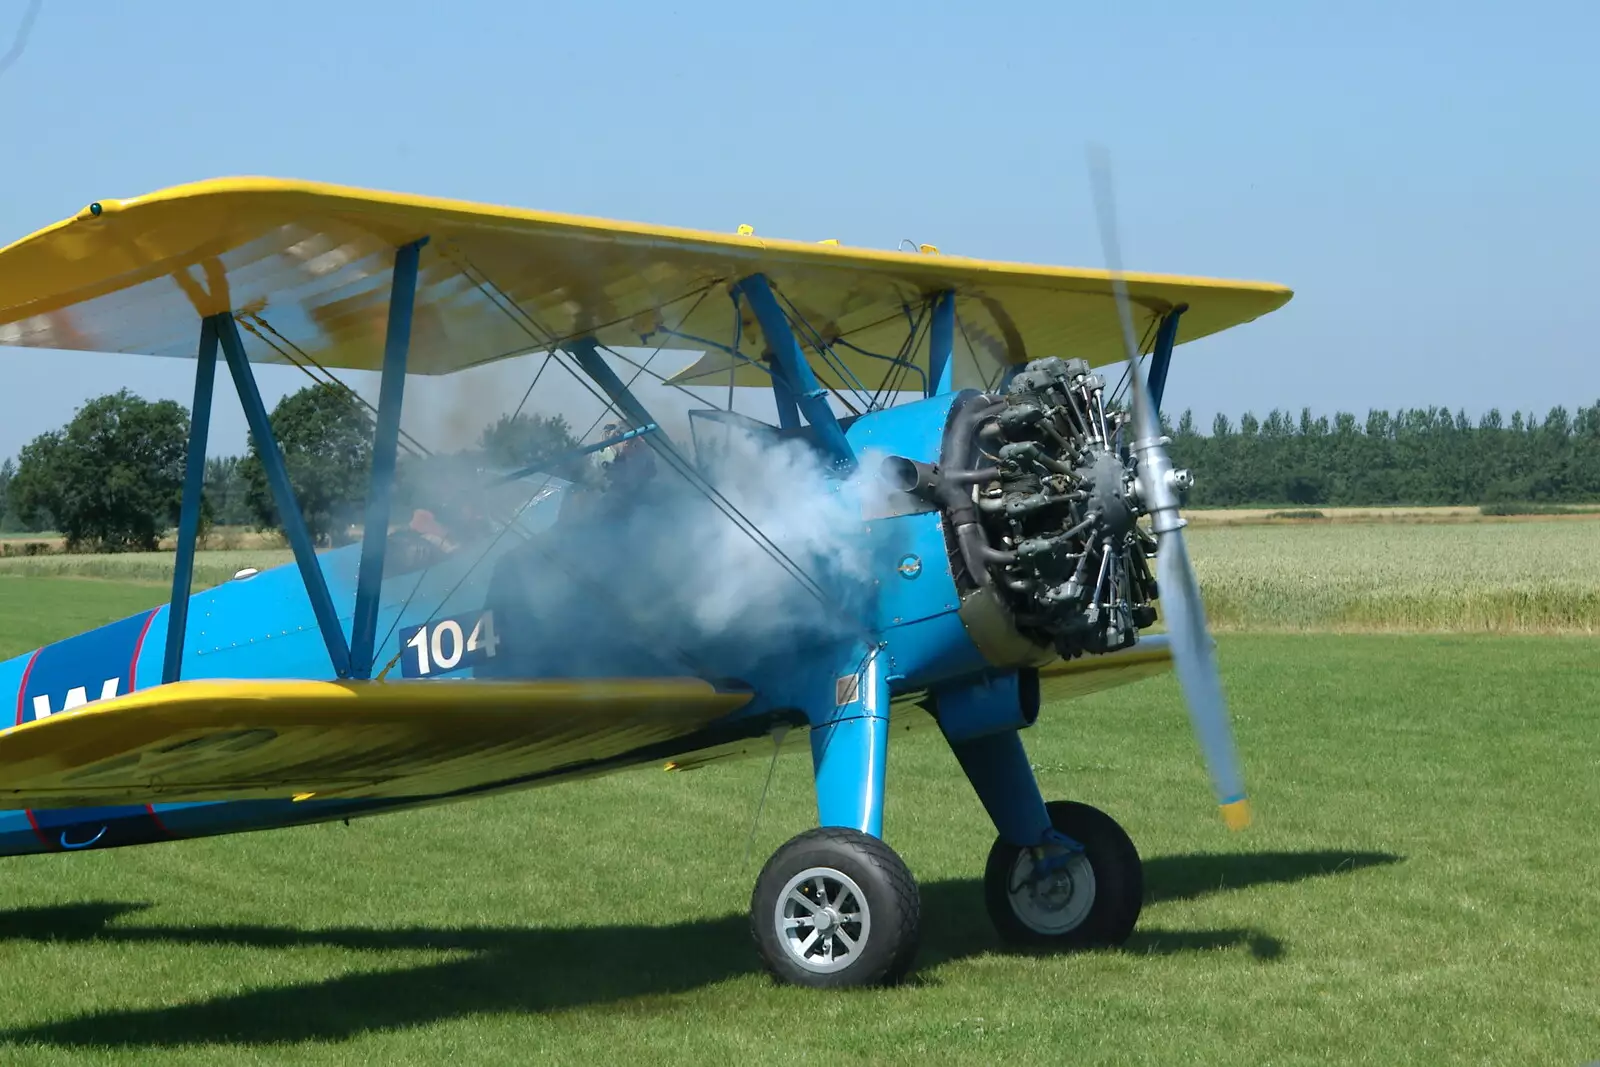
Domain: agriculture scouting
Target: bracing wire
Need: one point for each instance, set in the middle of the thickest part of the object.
(1144, 344)
(678, 463)
(609, 406)
(416, 447)
(894, 381)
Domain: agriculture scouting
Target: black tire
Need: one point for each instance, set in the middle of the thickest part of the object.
(887, 924)
(1116, 891)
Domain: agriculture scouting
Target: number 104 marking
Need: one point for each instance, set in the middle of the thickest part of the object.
(447, 645)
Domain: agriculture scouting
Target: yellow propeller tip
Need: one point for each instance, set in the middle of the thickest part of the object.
(303, 796)
(1236, 813)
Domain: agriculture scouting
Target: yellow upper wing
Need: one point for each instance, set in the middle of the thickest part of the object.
(308, 265)
(212, 740)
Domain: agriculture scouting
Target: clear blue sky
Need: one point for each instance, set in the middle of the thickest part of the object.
(1424, 175)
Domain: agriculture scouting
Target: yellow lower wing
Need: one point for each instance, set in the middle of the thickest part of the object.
(1058, 681)
(227, 740)
(1073, 678)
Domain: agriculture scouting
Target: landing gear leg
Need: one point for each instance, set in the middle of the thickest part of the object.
(836, 906)
(1062, 874)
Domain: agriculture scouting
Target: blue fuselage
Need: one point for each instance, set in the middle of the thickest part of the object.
(611, 594)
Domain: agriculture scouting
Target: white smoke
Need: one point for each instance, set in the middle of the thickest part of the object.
(637, 578)
(801, 510)
(641, 578)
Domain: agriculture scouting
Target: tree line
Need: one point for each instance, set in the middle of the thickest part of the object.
(1416, 457)
(112, 478)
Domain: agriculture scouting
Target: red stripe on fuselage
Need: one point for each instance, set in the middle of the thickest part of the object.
(133, 683)
(138, 647)
(22, 696)
(22, 686)
(43, 840)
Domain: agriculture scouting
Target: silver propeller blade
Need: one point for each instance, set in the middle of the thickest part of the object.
(1179, 590)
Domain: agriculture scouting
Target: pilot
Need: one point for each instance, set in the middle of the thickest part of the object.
(446, 527)
(608, 455)
(632, 463)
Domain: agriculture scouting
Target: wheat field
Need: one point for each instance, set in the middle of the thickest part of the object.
(1485, 577)
(1532, 576)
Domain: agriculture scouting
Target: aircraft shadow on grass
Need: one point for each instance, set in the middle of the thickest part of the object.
(532, 970)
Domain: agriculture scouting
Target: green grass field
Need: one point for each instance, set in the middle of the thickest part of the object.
(1420, 887)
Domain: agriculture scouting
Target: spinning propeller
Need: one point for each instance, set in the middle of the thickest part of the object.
(1159, 485)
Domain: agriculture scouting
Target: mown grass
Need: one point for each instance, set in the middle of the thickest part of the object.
(1419, 888)
(36, 611)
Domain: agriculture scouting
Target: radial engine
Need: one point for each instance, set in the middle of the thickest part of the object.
(1040, 497)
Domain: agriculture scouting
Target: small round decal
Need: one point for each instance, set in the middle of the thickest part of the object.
(910, 567)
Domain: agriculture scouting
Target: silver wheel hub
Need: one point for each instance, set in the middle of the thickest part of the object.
(1056, 900)
(822, 919)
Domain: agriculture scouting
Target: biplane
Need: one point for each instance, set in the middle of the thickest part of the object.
(965, 526)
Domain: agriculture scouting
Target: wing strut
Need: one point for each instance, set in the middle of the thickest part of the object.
(797, 373)
(1161, 358)
(294, 524)
(205, 379)
(385, 444)
(587, 353)
(355, 657)
(788, 410)
(942, 344)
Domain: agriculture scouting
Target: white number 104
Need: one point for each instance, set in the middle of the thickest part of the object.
(442, 646)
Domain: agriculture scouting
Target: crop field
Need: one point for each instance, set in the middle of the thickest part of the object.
(1420, 886)
(1481, 577)
(1411, 515)
(1487, 576)
(151, 568)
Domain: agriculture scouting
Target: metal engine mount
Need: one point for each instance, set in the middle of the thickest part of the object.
(1040, 490)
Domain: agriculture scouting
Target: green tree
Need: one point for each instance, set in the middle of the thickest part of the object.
(1412, 456)
(8, 470)
(111, 478)
(227, 492)
(518, 441)
(325, 435)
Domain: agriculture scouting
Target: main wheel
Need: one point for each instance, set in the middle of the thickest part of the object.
(834, 908)
(1085, 900)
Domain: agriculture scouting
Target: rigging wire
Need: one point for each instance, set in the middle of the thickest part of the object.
(738, 340)
(825, 350)
(658, 376)
(989, 383)
(686, 470)
(509, 524)
(417, 447)
(610, 407)
(894, 381)
(1144, 342)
